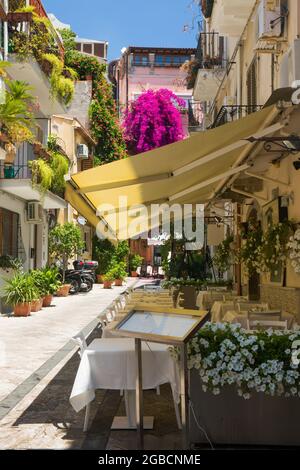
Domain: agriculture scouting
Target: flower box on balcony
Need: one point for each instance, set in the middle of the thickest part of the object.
(40, 151)
(20, 17)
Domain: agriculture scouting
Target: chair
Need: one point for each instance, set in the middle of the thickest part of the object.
(248, 306)
(266, 324)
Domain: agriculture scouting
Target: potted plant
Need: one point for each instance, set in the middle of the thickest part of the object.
(20, 16)
(65, 241)
(48, 283)
(103, 252)
(135, 261)
(9, 266)
(20, 292)
(119, 273)
(108, 280)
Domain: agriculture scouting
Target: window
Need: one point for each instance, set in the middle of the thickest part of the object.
(88, 48)
(251, 86)
(141, 60)
(9, 223)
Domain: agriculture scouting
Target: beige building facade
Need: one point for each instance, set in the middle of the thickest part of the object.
(249, 59)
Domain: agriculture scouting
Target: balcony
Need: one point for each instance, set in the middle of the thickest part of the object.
(231, 16)
(212, 64)
(195, 116)
(2, 11)
(16, 181)
(233, 113)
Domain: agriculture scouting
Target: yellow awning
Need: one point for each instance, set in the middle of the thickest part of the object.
(186, 172)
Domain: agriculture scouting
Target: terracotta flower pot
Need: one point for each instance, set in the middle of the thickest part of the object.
(89, 78)
(64, 291)
(134, 274)
(100, 278)
(107, 284)
(22, 310)
(47, 300)
(118, 282)
(36, 306)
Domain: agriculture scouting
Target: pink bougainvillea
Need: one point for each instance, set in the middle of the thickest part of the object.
(154, 120)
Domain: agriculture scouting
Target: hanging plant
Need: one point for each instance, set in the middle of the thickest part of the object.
(61, 87)
(294, 251)
(42, 175)
(251, 252)
(224, 256)
(274, 248)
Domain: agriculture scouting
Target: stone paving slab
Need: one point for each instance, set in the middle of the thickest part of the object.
(27, 344)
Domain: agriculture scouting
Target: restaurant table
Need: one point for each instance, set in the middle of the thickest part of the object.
(219, 309)
(205, 299)
(111, 364)
(106, 332)
(241, 318)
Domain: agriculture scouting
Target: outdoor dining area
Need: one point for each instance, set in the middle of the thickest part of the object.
(110, 363)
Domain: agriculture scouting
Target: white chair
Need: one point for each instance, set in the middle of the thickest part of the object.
(80, 341)
(248, 306)
(266, 325)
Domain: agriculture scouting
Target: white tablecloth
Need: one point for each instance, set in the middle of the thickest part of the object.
(219, 309)
(205, 299)
(110, 364)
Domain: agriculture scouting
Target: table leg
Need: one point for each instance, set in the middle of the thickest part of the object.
(184, 393)
(139, 395)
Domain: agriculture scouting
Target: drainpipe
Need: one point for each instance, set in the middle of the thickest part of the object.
(5, 32)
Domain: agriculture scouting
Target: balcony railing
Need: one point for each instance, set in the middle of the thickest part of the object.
(233, 113)
(211, 51)
(10, 171)
(195, 116)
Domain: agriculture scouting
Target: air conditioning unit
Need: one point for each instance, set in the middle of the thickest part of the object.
(35, 213)
(269, 19)
(82, 151)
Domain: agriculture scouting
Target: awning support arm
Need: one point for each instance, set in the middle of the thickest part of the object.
(206, 183)
(267, 178)
(250, 195)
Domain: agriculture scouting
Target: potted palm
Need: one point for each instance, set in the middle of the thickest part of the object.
(20, 292)
(119, 273)
(65, 242)
(135, 261)
(108, 280)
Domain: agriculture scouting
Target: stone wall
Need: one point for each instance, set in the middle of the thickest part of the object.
(286, 299)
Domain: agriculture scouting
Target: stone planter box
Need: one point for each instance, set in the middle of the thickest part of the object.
(231, 420)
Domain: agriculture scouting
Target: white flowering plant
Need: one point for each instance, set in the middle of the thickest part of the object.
(294, 250)
(274, 247)
(225, 354)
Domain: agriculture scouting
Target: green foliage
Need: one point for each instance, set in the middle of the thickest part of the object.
(223, 258)
(178, 283)
(68, 37)
(59, 164)
(16, 118)
(103, 252)
(46, 281)
(20, 289)
(119, 271)
(42, 175)
(61, 87)
(105, 126)
(65, 242)
(109, 276)
(122, 251)
(8, 262)
(135, 261)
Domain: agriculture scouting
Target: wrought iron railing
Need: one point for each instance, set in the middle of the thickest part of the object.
(232, 113)
(10, 171)
(195, 116)
(211, 51)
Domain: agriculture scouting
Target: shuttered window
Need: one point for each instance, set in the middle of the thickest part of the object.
(252, 86)
(9, 229)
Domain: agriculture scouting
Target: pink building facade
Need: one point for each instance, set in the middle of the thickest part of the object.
(144, 68)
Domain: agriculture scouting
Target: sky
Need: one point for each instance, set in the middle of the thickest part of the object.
(129, 22)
